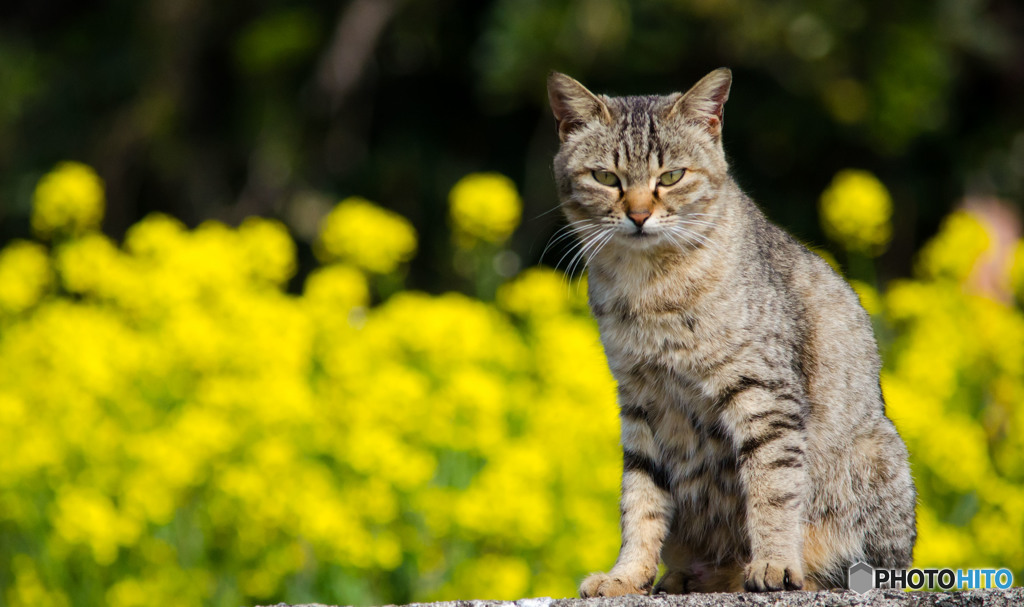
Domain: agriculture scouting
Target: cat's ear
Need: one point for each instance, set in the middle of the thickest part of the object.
(573, 105)
(705, 102)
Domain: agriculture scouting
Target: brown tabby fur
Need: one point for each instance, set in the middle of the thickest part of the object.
(757, 452)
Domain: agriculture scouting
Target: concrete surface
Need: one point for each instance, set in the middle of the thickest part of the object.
(1011, 597)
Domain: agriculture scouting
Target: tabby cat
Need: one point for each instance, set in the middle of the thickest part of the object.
(757, 452)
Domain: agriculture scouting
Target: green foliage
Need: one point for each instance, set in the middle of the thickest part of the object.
(277, 41)
(231, 109)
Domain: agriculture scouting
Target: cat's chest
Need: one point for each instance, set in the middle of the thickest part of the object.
(657, 333)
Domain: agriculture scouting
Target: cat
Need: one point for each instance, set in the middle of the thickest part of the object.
(757, 453)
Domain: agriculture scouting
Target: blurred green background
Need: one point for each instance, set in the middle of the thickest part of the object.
(224, 110)
(220, 385)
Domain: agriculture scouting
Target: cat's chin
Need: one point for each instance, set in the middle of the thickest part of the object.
(644, 240)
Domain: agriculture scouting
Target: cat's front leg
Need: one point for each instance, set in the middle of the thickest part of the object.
(767, 423)
(646, 507)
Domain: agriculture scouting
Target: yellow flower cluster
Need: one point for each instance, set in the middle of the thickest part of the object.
(363, 234)
(1017, 271)
(954, 384)
(24, 274)
(855, 212)
(955, 250)
(954, 389)
(176, 425)
(68, 200)
(484, 207)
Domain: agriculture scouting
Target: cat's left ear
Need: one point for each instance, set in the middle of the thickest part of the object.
(705, 102)
(573, 105)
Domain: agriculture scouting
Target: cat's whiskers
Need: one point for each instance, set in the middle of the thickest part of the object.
(695, 222)
(592, 253)
(576, 250)
(691, 237)
(600, 241)
(586, 263)
(567, 231)
(590, 242)
(680, 239)
(704, 238)
(551, 210)
(586, 232)
(687, 241)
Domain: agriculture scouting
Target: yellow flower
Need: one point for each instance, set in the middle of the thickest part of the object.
(157, 235)
(366, 235)
(856, 210)
(954, 251)
(187, 586)
(24, 275)
(86, 516)
(1017, 270)
(492, 577)
(484, 206)
(69, 199)
(941, 544)
(869, 297)
(268, 249)
(536, 292)
(91, 264)
(321, 431)
(27, 588)
(336, 289)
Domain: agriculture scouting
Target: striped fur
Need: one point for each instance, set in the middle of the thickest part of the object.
(756, 450)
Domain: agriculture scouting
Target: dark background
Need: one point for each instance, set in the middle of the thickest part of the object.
(282, 107)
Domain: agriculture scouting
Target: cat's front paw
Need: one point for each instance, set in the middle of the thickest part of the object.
(606, 584)
(762, 575)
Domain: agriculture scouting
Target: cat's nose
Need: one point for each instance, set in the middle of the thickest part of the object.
(639, 216)
(639, 204)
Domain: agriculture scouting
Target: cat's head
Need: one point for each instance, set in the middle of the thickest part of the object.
(640, 170)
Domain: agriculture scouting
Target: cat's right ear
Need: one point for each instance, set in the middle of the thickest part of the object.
(705, 102)
(573, 105)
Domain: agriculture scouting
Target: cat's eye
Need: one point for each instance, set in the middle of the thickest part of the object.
(671, 177)
(606, 178)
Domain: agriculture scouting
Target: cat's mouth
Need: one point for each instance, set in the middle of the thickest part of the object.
(641, 237)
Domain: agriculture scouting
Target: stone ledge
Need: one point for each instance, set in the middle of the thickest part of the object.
(1011, 597)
